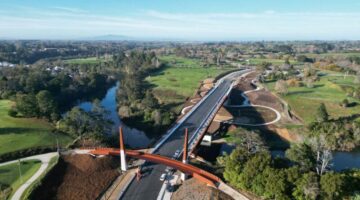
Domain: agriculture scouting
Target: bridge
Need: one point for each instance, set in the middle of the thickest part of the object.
(188, 169)
(196, 122)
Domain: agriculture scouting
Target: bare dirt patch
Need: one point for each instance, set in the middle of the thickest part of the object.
(265, 98)
(80, 177)
(193, 189)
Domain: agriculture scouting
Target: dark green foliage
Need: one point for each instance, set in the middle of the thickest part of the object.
(46, 104)
(322, 114)
(12, 112)
(303, 58)
(331, 186)
(27, 105)
(249, 140)
(341, 134)
(344, 103)
(264, 65)
(150, 101)
(94, 124)
(25, 153)
(303, 155)
(307, 187)
(136, 100)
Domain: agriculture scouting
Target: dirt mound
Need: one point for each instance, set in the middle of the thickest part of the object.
(266, 99)
(78, 177)
(193, 189)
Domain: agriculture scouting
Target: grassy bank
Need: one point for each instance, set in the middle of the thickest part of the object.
(38, 181)
(10, 174)
(304, 101)
(89, 60)
(23, 133)
(180, 79)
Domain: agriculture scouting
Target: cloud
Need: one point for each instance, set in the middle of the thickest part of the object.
(68, 9)
(73, 22)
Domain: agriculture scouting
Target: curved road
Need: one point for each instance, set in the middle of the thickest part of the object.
(247, 103)
(149, 186)
(45, 159)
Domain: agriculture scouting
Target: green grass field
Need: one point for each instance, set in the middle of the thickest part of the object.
(23, 133)
(10, 174)
(180, 79)
(335, 55)
(256, 61)
(304, 101)
(90, 60)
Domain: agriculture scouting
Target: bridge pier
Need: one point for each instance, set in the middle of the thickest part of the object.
(122, 151)
(185, 154)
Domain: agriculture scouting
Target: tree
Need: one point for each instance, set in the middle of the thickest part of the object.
(46, 103)
(263, 66)
(248, 140)
(344, 103)
(27, 105)
(331, 186)
(275, 184)
(156, 117)
(322, 153)
(303, 155)
(150, 101)
(254, 166)
(281, 87)
(234, 164)
(100, 122)
(77, 122)
(307, 187)
(322, 114)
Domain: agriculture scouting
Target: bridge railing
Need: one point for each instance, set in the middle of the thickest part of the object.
(179, 123)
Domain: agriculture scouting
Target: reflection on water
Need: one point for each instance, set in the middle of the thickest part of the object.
(133, 137)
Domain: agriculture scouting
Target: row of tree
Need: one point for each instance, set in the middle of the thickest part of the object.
(135, 98)
(303, 174)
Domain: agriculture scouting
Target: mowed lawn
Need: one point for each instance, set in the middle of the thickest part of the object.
(10, 174)
(23, 133)
(305, 101)
(89, 60)
(256, 61)
(180, 79)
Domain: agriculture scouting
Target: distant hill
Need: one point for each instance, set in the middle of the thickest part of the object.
(109, 37)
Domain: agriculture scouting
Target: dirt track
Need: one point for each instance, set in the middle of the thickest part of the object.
(78, 177)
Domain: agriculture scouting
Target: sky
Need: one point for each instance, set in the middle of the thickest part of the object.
(193, 20)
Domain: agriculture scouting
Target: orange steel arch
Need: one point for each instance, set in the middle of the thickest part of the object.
(197, 173)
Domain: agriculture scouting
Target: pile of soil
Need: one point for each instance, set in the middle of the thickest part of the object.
(265, 98)
(78, 177)
(245, 82)
(193, 189)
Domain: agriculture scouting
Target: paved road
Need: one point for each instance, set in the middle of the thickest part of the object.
(149, 186)
(44, 158)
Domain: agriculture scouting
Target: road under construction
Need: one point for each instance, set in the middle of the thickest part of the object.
(195, 123)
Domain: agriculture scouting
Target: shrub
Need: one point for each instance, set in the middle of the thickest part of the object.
(12, 112)
(293, 83)
(25, 153)
(344, 103)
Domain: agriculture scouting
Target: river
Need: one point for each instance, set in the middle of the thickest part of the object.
(138, 139)
(133, 138)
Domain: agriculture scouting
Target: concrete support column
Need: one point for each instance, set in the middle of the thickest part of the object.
(185, 154)
(122, 151)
